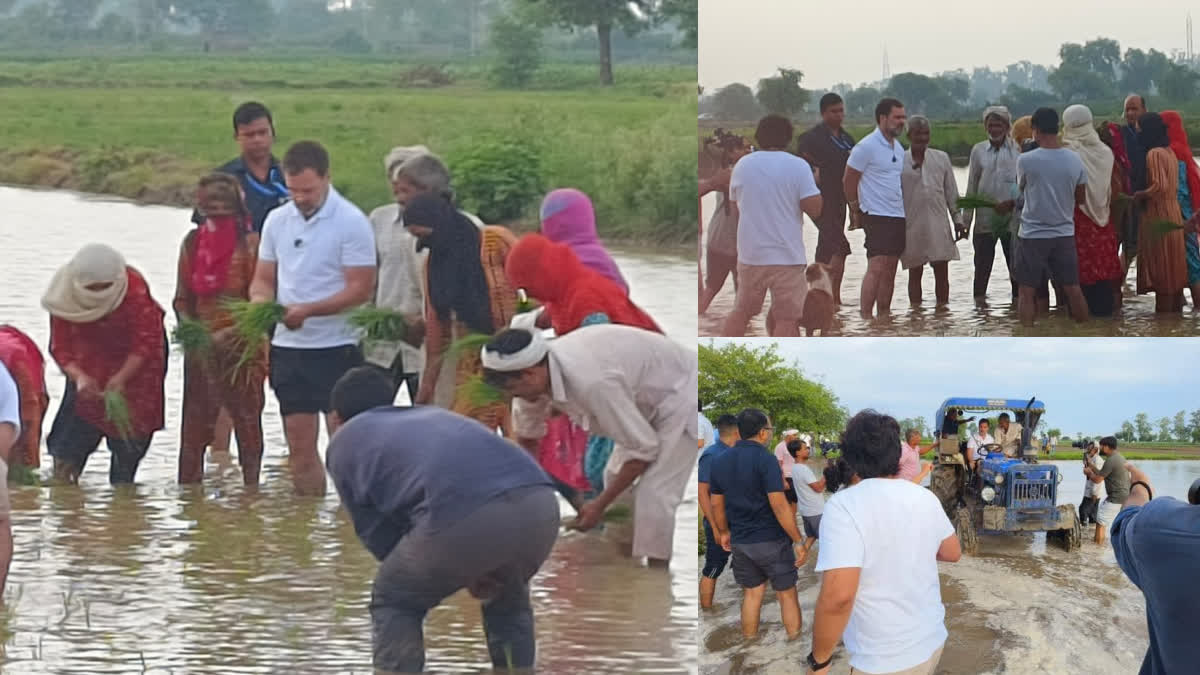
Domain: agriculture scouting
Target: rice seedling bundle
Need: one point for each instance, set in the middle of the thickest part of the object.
(1162, 228)
(975, 201)
(116, 411)
(192, 336)
(472, 343)
(251, 323)
(379, 324)
(480, 394)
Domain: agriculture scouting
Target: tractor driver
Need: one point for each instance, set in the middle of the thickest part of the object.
(1008, 435)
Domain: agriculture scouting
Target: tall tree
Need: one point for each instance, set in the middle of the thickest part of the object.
(1145, 432)
(735, 102)
(1164, 429)
(1179, 428)
(920, 94)
(629, 15)
(73, 18)
(684, 14)
(737, 376)
(1127, 432)
(861, 102)
(1195, 426)
(225, 17)
(782, 94)
(1178, 83)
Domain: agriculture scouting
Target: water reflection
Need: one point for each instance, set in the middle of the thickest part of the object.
(962, 317)
(218, 579)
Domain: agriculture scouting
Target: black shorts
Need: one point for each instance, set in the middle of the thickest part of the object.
(755, 564)
(812, 526)
(790, 493)
(831, 233)
(885, 236)
(1054, 258)
(303, 379)
(715, 557)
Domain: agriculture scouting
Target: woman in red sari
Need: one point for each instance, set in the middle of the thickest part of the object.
(216, 263)
(21, 356)
(106, 334)
(572, 296)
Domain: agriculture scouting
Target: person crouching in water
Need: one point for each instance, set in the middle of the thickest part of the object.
(444, 504)
(216, 264)
(107, 336)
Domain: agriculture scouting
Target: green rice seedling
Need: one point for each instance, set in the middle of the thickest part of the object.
(1122, 198)
(480, 394)
(1002, 225)
(23, 475)
(472, 343)
(116, 410)
(379, 324)
(192, 336)
(975, 201)
(251, 322)
(619, 513)
(1162, 228)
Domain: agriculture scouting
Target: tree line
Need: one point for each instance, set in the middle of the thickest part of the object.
(1095, 72)
(355, 27)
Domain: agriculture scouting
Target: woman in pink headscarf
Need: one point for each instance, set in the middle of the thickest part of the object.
(568, 218)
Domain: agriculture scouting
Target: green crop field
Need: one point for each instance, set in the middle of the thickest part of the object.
(146, 128)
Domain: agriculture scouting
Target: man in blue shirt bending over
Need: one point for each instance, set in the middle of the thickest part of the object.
(443, 504)
(1157, 543)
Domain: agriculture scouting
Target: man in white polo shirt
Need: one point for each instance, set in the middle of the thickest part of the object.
(317, 259)
(876, 200)
(773, 190)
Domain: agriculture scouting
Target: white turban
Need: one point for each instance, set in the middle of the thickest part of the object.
(530, 356)
(999, 111)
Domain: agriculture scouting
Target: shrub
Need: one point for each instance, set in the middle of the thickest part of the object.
(518, 51)
(351, 42)
(497, 179)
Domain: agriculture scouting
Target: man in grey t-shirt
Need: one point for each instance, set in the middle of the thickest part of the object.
(1115, 476)
(1053, 181)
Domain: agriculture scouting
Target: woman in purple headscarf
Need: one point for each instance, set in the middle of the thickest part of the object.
(568, 218)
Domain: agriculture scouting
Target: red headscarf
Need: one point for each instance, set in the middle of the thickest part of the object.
(216, 242)
(553, 274)
(19, 353)
(1179, 145)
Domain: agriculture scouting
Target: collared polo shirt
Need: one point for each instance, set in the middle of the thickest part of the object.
(310, 257)
(881, 163)
(261, 197)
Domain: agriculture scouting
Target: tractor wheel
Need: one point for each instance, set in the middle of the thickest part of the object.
(964, 527)
(1072, 537)
(946, 484)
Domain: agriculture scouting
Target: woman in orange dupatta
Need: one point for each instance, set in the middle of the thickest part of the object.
(466, 292)
(574, 296)
(216, 264)
(1188, 195)
(1162, 257)
(21, 356)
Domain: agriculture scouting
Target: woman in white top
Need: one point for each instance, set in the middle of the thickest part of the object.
(930, 195)
(881, 540)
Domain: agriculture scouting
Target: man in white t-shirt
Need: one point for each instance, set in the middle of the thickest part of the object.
(317, 259)
(876, 200)
(977, 441)
(810, 493)
(10, 431)
(773, 190)
(881, 538)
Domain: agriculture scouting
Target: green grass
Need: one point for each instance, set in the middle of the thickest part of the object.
(149, 128)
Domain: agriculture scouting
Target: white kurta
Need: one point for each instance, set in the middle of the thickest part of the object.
(639, 389)
(930, 195)
(398, 285)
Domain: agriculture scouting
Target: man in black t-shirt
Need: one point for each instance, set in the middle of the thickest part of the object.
(827, 147)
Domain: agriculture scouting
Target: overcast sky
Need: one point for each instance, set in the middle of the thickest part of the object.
(1089, 385)
(745, 40)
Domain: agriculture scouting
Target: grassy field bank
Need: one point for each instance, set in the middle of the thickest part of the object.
(146, 129)
(954, 138)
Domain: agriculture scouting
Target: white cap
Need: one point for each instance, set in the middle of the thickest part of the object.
(792, 432)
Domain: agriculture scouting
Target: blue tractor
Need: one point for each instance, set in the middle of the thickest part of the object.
(1006, 490)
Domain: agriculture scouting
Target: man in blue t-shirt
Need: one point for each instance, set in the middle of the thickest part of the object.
(1157, 544)
(444, 504)
(1053, 180)
(715, 556)
(753, 520)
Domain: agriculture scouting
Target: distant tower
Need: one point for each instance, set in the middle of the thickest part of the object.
(887, 69)
(1190, 54)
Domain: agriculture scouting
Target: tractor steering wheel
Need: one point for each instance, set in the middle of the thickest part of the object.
(989, 448)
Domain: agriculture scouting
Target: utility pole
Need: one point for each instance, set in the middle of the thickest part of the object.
(887, 69)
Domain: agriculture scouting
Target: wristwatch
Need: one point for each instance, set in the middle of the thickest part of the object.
(814, 666)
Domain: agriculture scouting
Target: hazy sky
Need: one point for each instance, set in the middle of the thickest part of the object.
(1089, 385)
(744, 40)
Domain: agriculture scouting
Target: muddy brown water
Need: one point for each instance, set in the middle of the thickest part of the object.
(1018, 606)
(962, 317)
(159, 579)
